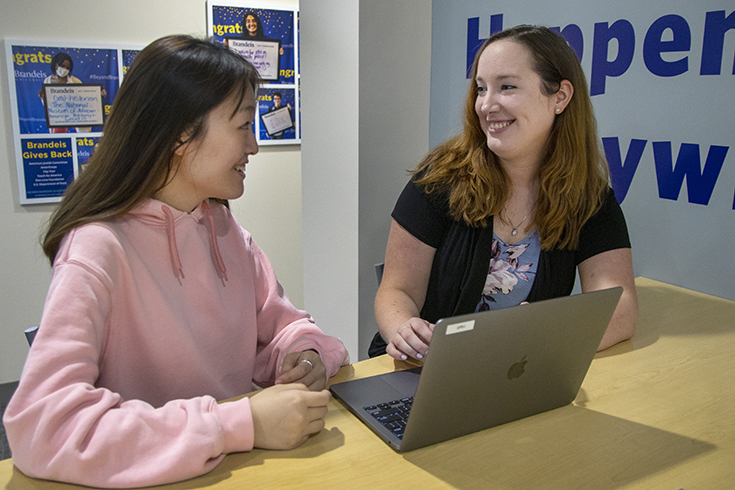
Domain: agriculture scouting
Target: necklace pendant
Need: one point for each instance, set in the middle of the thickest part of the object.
(514, 232)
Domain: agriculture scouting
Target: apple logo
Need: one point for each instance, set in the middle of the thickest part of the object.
(517, 369)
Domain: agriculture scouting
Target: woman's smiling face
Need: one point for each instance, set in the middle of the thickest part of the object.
(214, 164)
(514, 112)
(251, 25)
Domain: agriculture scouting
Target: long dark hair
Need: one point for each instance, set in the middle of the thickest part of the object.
(573, 175)
(170, 88)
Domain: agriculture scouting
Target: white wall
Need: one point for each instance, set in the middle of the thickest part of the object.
(365, 95)
(329, 164)
(395, 70)
(270, 208)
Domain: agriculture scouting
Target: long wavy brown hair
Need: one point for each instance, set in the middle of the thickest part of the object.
(170, 88)
(573, 175)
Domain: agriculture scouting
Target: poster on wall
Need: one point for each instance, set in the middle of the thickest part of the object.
(60, 95)
(267, 36)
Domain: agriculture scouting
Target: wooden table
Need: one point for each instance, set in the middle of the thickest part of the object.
(657, 412)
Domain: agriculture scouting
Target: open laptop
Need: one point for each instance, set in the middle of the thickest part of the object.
(485, 369)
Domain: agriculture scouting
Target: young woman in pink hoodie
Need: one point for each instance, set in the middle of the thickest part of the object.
(161, 306)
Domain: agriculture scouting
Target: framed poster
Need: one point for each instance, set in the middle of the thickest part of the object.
(266, 35)
(276, 110)
(60, 94)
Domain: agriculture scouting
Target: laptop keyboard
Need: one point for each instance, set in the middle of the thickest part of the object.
(393, 415)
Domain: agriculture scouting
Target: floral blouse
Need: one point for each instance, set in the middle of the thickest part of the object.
(511, 273)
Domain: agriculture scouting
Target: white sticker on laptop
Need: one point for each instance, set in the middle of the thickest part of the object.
(460, 327)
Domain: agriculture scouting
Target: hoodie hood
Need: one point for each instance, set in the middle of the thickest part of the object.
(160, 214)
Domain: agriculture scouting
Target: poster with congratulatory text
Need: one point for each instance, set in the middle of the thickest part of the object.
(267, 36)
(60, 93)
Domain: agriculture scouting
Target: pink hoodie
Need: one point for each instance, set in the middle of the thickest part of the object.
(149, 320)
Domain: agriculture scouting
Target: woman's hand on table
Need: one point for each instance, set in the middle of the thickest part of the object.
(304, 367)
(284, 416)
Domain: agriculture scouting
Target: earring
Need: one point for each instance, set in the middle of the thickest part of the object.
(558, 111)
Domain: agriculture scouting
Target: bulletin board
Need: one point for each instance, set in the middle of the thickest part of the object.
(56, 119)
(268, 36)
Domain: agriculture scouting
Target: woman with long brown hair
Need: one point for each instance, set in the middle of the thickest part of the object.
(161, 306)
(510, 209)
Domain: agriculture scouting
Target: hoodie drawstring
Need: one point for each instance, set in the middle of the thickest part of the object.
(213, 239)
(171, 232)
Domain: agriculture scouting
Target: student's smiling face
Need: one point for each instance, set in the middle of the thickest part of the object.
(213, 165)
(514, 112)
(251, 25)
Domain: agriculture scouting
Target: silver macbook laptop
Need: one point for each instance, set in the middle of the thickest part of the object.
(486, 369)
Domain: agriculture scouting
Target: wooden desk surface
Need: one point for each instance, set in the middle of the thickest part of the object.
(656, 412)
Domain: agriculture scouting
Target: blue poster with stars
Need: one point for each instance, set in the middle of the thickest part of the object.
(49, 155)
(34, 66)
(231, 22)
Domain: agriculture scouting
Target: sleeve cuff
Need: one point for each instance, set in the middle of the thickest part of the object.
(236, 421)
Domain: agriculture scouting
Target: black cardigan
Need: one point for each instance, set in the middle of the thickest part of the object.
(463, 252)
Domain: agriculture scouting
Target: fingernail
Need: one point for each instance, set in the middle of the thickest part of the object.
(419, 356)
(404, 357)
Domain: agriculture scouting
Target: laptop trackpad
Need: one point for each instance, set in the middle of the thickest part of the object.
(373, 390)
(406, 382)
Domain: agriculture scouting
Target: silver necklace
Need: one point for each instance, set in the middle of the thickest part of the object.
(515, 228)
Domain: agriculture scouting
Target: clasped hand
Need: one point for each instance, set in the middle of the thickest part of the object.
(411, 340)
(285, 415)
(304, 367)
